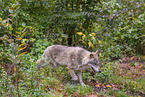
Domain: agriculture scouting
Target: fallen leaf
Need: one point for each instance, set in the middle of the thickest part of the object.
(132, 58)
(59, 90)
(97, 85)
(108, 86)
(134, 75)
(65, 95)
(14, 68)
(102, 85)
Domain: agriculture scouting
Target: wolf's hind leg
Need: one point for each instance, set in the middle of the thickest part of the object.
(73, 75)
(80, 78)
(54, 63)
(39, 64)
(50, 60)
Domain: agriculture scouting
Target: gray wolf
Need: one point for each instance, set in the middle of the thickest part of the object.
(73, 58)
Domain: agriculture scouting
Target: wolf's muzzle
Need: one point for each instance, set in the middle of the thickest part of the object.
(94, 62)
(95, 70)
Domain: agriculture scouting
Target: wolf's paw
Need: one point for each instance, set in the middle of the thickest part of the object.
(83, 84)
(75, 78)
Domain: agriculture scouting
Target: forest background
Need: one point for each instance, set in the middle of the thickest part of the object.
(114, 27)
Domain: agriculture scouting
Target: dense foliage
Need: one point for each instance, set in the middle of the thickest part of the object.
(27, 27)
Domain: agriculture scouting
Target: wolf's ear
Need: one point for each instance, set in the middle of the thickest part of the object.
(91, 55)
(97, 52)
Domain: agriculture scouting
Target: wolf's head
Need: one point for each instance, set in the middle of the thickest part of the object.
(94, 61)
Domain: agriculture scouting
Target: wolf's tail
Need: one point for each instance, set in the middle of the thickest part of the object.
(39, 62)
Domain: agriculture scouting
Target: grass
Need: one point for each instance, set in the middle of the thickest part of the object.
(116, 79)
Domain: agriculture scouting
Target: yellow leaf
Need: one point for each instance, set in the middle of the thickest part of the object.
(79, 33)
(83, 37)
(90, 34)
(23, 33)
(93, 37)
(15, 35)
(18, 32)
(22, 44)
(100, 55)
(0, 19)
(90, 44)
(143, 70)
(140, 86)
(33, 39)
(143, 57)
(100, 42)
(23, 53)
(10, 28)
(14, 68)
(10, 59)
(131, 17)
(108, 86)
(23, 41)
(19, 38)
(22, 48)
(93, 34)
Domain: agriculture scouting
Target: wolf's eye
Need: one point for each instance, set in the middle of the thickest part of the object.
(91, 55)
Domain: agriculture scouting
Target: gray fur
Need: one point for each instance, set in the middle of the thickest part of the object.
(74, 58)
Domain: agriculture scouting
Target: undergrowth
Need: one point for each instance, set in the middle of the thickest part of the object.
(116, 79)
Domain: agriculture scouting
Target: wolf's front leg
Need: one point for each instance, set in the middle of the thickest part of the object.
(80, 77)
(73, 75)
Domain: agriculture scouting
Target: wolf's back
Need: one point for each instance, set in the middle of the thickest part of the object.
(64, 55)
